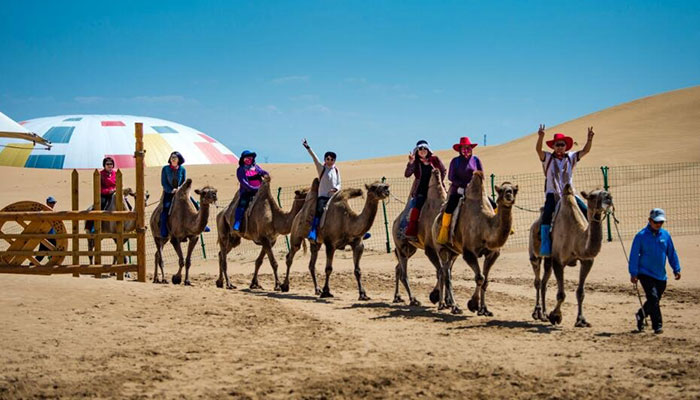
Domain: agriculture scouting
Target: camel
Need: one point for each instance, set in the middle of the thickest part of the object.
(478, 232)
(342, 227)
(573, 239)
(405, 249)
(111, 226)
(185, 223)
(264, 223)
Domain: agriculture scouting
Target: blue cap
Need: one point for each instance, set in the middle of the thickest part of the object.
(50, 199)
(657, 215)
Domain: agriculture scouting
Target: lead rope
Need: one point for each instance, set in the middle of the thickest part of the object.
(636, 287)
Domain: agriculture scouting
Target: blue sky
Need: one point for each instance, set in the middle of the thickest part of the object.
(365, 79)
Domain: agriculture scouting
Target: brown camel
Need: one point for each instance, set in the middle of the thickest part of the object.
(573, 239)
(111, 226)
(264, 223)
(185, 223)
(301, 225)
(405, 249)
(478, 232)
(342, 227)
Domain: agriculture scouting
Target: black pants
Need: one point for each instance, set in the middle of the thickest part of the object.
(653, 289)
(321, 205)
(453, 200)
(550, 204)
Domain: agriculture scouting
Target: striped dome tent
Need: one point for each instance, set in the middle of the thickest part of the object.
(82, 141)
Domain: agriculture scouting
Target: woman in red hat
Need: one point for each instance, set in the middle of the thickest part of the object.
(558, 167)
(421, 162)
(460, 174)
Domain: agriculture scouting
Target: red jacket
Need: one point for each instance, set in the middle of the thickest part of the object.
(108, 181)
(412, 170)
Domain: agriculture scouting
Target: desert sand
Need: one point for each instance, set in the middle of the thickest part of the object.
(85, 337)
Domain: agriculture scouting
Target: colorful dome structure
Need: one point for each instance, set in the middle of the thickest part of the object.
(82, 141)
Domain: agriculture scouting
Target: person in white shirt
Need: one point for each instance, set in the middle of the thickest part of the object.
(329, 183)
(558, 167)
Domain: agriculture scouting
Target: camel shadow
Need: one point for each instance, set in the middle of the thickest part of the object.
(286, 296)
(533, 327)
(408, 312)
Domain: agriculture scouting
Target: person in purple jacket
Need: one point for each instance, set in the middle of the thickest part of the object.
(250, 177)
(651, 247)
(460, 174)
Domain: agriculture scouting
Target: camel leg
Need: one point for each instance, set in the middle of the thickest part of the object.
(191, 243)
(435, 260)
(586, 266)
(177, 278)
(442, 274)
(258, 262)
(471, 259)
(158, 261)
(536, 262)
(543, 286)
(357, 249)
(330, 252)
(488, 263)
(273, 263)
(450, 299)
(289, 259)
(315, 247)
(224, 249)
(555, 316)
(402, 274)
(398, 271)
(91, 247)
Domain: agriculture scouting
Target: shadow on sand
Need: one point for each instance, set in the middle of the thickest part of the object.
(288, 296)
(398, 310)
(535, 327)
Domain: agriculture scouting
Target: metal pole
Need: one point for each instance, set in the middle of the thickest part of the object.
(493, 188)
(605, 169)
(386, 223)
(279, 203)
(484, 139)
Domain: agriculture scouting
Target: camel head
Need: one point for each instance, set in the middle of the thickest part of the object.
(300, 194)
(207, 195)
(266, 179)
(506, 193)
(129, 192)
(379, 190)
(598, 201)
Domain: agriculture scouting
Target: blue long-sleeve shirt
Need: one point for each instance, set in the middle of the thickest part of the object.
(649, 252)
(172, 178)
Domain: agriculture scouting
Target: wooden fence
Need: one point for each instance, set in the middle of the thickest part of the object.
(42, 246)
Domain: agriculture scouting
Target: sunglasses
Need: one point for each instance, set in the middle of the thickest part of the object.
(330, 158)
(657, 222)
(559, 144)
(109, 165)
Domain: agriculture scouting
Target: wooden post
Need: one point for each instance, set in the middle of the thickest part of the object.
(75, 193)
(140, 204)
(96, 185)
(120, 225)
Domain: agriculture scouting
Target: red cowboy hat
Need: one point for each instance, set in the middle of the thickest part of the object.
(463, 141)
(560, 136)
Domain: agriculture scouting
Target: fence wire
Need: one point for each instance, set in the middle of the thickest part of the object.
(635, 190)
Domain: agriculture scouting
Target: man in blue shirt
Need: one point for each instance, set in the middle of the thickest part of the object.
(650, 248)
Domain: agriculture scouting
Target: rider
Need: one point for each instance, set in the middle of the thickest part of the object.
(249, 176)
(108, 185)
(558, 167)
(421, 162)
(462, 168)
(172, 176)
(329, 184)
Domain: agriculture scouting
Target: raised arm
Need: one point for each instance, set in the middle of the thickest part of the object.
(410, 167)
(589, 142)
(317, 162)
(540, 140)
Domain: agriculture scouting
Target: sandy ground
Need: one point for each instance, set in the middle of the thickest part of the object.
(68, 337)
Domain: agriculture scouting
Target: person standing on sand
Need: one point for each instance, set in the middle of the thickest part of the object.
(647, 264)
(421, 162)
(51, 203)
(558, 167)
(329, 184)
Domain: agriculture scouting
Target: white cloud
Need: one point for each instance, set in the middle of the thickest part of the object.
(288, 79)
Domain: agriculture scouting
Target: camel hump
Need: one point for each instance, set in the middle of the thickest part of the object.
(568, 189)
(347, 194)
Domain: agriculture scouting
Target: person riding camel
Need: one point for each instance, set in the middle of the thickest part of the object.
(329, 184)
(460, 174)
(172, 176)
(558, 167)
(421, 162)
(108, 185)
(250, 177)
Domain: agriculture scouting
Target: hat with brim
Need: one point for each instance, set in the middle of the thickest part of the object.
(463, 141)
(422, 144)
(244, 154)
(657, 215)
(561, 137)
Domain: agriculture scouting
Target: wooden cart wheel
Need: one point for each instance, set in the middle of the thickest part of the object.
(31, 244)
